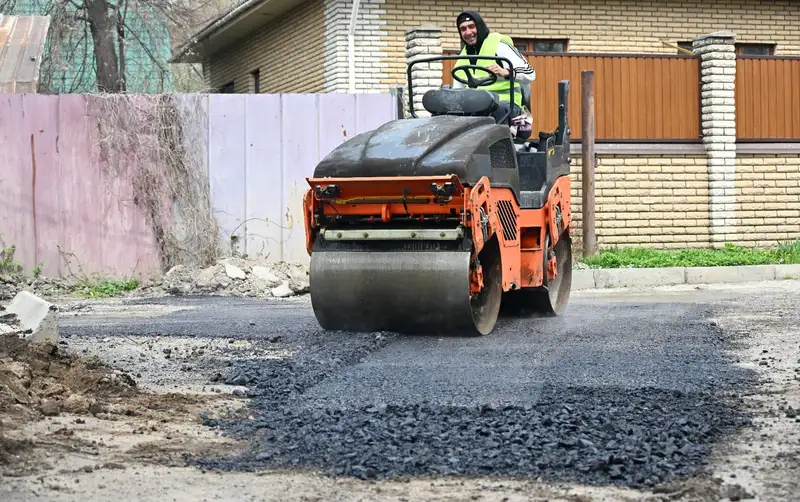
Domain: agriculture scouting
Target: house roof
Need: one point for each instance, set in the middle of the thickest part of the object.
(230, 27)
(22, 41)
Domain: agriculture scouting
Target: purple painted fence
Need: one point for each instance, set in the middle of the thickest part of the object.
(65, 208)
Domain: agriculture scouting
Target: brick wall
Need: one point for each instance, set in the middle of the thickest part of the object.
(599, 26)
(299, 35)
(371, 56)
(767, 198)
(647, 200)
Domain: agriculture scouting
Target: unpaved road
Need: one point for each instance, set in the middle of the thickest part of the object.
(671, 394)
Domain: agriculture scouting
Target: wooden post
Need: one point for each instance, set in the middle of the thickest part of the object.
(588, 162)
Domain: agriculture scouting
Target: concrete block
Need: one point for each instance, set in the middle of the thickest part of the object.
(582, 279)
(36, 315)
(711, 275)
(785, 272)
(638, 277)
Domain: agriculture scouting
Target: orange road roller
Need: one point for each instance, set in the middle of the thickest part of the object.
(438, 224)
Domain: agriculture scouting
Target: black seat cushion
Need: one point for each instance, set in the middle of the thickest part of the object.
(469, 102)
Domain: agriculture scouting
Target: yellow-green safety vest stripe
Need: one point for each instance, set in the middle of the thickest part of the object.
(489, 48)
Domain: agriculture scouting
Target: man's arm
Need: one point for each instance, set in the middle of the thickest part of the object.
(523, 72)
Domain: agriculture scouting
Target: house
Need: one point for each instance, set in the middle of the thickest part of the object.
(302, 45)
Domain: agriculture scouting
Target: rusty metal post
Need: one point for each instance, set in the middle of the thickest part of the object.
(589, 162)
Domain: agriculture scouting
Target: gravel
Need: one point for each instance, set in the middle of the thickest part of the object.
(637, 439)
(629, 393)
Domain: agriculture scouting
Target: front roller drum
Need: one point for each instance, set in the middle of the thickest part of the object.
(425, 292)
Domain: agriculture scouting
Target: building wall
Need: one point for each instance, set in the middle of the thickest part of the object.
(598, 25)
(371, 56)
(288, 53)
(767, 198)
(646, 200)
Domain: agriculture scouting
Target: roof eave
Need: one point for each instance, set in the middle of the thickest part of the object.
(230, 27)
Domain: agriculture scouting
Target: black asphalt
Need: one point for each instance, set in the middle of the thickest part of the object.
(631, 392)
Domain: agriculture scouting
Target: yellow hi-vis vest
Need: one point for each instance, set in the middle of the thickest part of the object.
(489, 48)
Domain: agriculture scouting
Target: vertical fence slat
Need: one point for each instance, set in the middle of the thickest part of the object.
(263, 177)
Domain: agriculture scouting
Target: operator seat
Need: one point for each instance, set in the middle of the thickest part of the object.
(467, 102)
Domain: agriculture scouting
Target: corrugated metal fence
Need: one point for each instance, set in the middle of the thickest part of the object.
(767, 98)
(76, 168)
(637, 97)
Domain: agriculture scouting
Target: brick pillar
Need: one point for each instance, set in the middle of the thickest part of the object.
(718, 73)
(423, 41)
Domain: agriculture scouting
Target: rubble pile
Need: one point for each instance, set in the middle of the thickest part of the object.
(228, 277)
(234, 277)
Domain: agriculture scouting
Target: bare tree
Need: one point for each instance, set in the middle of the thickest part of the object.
(108, 44)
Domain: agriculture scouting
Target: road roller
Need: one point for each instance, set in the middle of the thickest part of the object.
(441, 223)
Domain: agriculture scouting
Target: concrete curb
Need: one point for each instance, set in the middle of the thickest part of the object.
(601, 278)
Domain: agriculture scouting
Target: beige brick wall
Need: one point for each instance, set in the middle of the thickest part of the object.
(768, 199)
(600, 25)
(299, 35)
(647, 200)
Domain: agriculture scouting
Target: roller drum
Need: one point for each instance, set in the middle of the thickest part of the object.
(419, 292)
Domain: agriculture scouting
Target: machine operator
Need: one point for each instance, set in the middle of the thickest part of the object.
(478, 40)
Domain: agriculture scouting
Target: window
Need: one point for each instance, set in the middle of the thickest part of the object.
(541, 44)
(227, 88)
(255, 76)
(686, 46)
(755, 49)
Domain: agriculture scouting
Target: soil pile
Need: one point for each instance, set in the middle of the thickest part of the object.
(41, 380)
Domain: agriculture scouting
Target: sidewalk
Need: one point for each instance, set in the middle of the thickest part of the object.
(601, 278)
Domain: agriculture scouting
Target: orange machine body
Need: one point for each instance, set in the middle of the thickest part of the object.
(520, 232)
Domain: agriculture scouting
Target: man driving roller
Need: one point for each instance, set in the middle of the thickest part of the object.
(477, 40)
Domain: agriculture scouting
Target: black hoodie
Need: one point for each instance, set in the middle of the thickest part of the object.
(483, 32)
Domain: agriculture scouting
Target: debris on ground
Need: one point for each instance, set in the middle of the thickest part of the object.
(237, 277)
(39, 379)
(31, 317)
(234, 277)
(54, 403)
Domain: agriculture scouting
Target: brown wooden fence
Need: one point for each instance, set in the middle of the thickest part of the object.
(767, 98)
(645, 98)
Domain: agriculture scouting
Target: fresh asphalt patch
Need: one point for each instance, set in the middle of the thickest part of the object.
(630, 392)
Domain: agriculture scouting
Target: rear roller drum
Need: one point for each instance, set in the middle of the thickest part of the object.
(553, 297)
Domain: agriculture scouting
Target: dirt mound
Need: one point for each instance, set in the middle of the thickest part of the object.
(41, 380)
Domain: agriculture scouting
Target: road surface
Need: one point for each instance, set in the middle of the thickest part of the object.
(678, 393)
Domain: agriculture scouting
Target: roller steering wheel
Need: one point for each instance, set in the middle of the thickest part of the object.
(472, 81)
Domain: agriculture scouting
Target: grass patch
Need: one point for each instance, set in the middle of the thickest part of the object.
(730, 255)
(106, 287)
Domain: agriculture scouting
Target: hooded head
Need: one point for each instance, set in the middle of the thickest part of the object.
(472, 29)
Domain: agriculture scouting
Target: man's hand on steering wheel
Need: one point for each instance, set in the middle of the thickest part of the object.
(498, 70)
